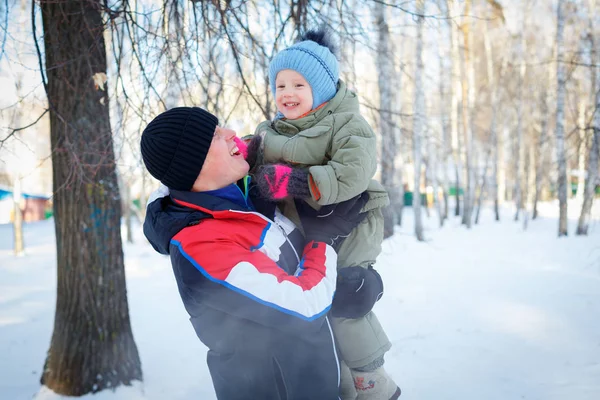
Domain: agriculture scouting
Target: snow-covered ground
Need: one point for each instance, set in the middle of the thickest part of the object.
(490, 313)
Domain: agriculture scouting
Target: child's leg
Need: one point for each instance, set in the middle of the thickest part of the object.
(361, 341)
(364, 243)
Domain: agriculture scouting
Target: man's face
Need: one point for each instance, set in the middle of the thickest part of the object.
(224, 164)
(293, 94)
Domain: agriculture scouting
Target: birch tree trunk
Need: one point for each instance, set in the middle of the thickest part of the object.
(19, 245)
(560, 120)
(446, 148)
(399, 170)
(483, 187)
(468, 103)
(125, 188)
(582, 128)
(17, 223)
(432, 170)
(529, 181)
(518, 150)
(172, 29)
(454, 19)
(17, 168)
(385, 73)
(143, 194)
(541, 148)
(418, 123)
(495, 142)
(539, 160)
(92, 346)
(592, 176)
(544, 139)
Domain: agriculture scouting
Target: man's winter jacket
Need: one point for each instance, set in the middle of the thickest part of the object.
(255, 299)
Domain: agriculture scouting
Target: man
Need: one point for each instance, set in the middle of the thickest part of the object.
(257, 296)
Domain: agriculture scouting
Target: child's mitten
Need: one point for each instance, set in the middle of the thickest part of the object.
(249, 148)
(279, 181)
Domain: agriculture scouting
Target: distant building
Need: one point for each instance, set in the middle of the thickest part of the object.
(35, 207)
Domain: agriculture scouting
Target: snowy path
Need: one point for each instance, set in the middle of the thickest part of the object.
(491, 313)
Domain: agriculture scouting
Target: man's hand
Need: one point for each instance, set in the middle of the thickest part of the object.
(332, 224)
(357, 291)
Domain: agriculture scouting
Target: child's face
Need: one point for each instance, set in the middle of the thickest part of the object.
(293, 95)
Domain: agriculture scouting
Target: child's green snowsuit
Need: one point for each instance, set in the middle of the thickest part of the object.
(339, 147)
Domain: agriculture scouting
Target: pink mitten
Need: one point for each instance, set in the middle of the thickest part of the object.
(249, 148)
(242, 146)
(278, 181)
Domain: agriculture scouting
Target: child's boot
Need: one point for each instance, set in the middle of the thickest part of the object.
(347, 389)
(375, 385)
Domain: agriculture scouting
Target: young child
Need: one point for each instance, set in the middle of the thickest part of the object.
(319, 148)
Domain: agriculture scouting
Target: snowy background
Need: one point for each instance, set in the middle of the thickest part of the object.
(491, 313)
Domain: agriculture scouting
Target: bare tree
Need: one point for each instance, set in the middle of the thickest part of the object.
(454, 20)
(385, 74)
(432, 173)
(468, 105)
(560, 118)
(19, 245)
(495, 142)
(418, 123)
(582, 148)
(92, 346)
(484, 184)
(518, 148)
(542, 143)
(594, 154)
(446, 148)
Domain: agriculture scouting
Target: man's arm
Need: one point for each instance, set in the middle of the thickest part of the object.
(250, 285)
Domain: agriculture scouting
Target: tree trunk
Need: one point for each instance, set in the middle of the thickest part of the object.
(126, 205)
(539, 167)
(92, 346)
(518, 150)
(529, 182)
(483, 186)
(385, 73)
(502, 166)
(172, 30)
(399, 157)
(446, 149)
(495, 142)
(455, 93)
(143, 193)
(581, 125)
(432, 168)
(419, 110)
(539, 161)
(560, 120)
(592, 176)
(19, 245)
(426, 183)
(468, 104)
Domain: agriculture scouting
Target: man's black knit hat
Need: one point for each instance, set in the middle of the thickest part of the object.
(174, 145)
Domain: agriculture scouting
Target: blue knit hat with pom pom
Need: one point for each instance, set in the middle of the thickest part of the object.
(312, 57)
